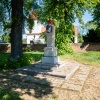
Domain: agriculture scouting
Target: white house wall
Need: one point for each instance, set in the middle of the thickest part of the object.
(32, 38)
(35, 35)
(36, 28)
(36, 39)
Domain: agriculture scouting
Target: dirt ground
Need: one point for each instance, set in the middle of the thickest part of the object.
(31, 91)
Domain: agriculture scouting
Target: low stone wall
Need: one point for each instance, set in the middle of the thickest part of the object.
(35, 47)
(5, 47)
(80, 47)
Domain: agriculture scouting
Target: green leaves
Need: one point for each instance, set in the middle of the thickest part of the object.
(96, 18)
(6, 64)
(62, 42)
(8, 95)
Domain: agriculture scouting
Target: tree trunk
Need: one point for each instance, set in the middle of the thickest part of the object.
(16, 29)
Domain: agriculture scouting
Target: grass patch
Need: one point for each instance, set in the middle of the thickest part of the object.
(7, 95)
(90, 57)
(26, 59)
(35, 55)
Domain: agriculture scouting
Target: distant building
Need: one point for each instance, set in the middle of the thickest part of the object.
(34, 36)
(75, 34)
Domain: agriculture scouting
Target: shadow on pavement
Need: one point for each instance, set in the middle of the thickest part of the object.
(25, 84)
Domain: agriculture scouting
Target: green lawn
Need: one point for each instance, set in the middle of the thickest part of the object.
(90, 57)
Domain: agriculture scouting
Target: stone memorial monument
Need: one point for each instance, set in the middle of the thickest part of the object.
(50, 59)
(50, 52)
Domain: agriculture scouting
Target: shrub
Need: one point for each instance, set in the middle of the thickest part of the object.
(64, 51)
(27, 49)
(23, 61)
(62, 43)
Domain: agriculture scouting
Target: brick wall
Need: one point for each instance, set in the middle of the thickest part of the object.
(5, 47)
(40, 47)
(35, 47)
(81, 47)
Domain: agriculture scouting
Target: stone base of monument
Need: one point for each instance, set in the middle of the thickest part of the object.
(49, 66)
(50, 51)
(50, 60)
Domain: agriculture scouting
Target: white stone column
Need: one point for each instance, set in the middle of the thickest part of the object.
(75, 39)
(50, 52)
(51, 38)
(75, 34)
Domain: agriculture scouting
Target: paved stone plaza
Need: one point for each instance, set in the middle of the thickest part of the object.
(70, 76)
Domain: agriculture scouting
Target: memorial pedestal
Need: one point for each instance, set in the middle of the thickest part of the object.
(50, 51)
(50, 55)
(50, 58)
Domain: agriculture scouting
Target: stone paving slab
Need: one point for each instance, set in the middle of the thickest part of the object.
(77, 81)
(63, 72)
(39, 76)
(71, 86)
(49, 66)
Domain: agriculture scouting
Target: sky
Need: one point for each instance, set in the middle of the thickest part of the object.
(86, 17)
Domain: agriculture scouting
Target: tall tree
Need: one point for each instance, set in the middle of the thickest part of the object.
(13, 14)
(96, 13)
(66, 10)
(96, 18)
(16, 29)
(64, 13)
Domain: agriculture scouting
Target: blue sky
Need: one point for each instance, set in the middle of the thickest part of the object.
(86, 17)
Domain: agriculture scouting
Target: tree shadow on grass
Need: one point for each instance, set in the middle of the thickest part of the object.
(25, 85)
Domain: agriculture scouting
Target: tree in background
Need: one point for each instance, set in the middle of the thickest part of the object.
(96, 13)
(30, 10)
(64, 13)
(5, 19)
(91, 32)
(96, 18)
(92, 36)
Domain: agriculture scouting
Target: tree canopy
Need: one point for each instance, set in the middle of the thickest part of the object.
(63, 13)
(67, 9)
(96, 17)
(96, 13)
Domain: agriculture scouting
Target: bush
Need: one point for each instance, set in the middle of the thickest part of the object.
(27, 49)
(23, 61)
(62, 43)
